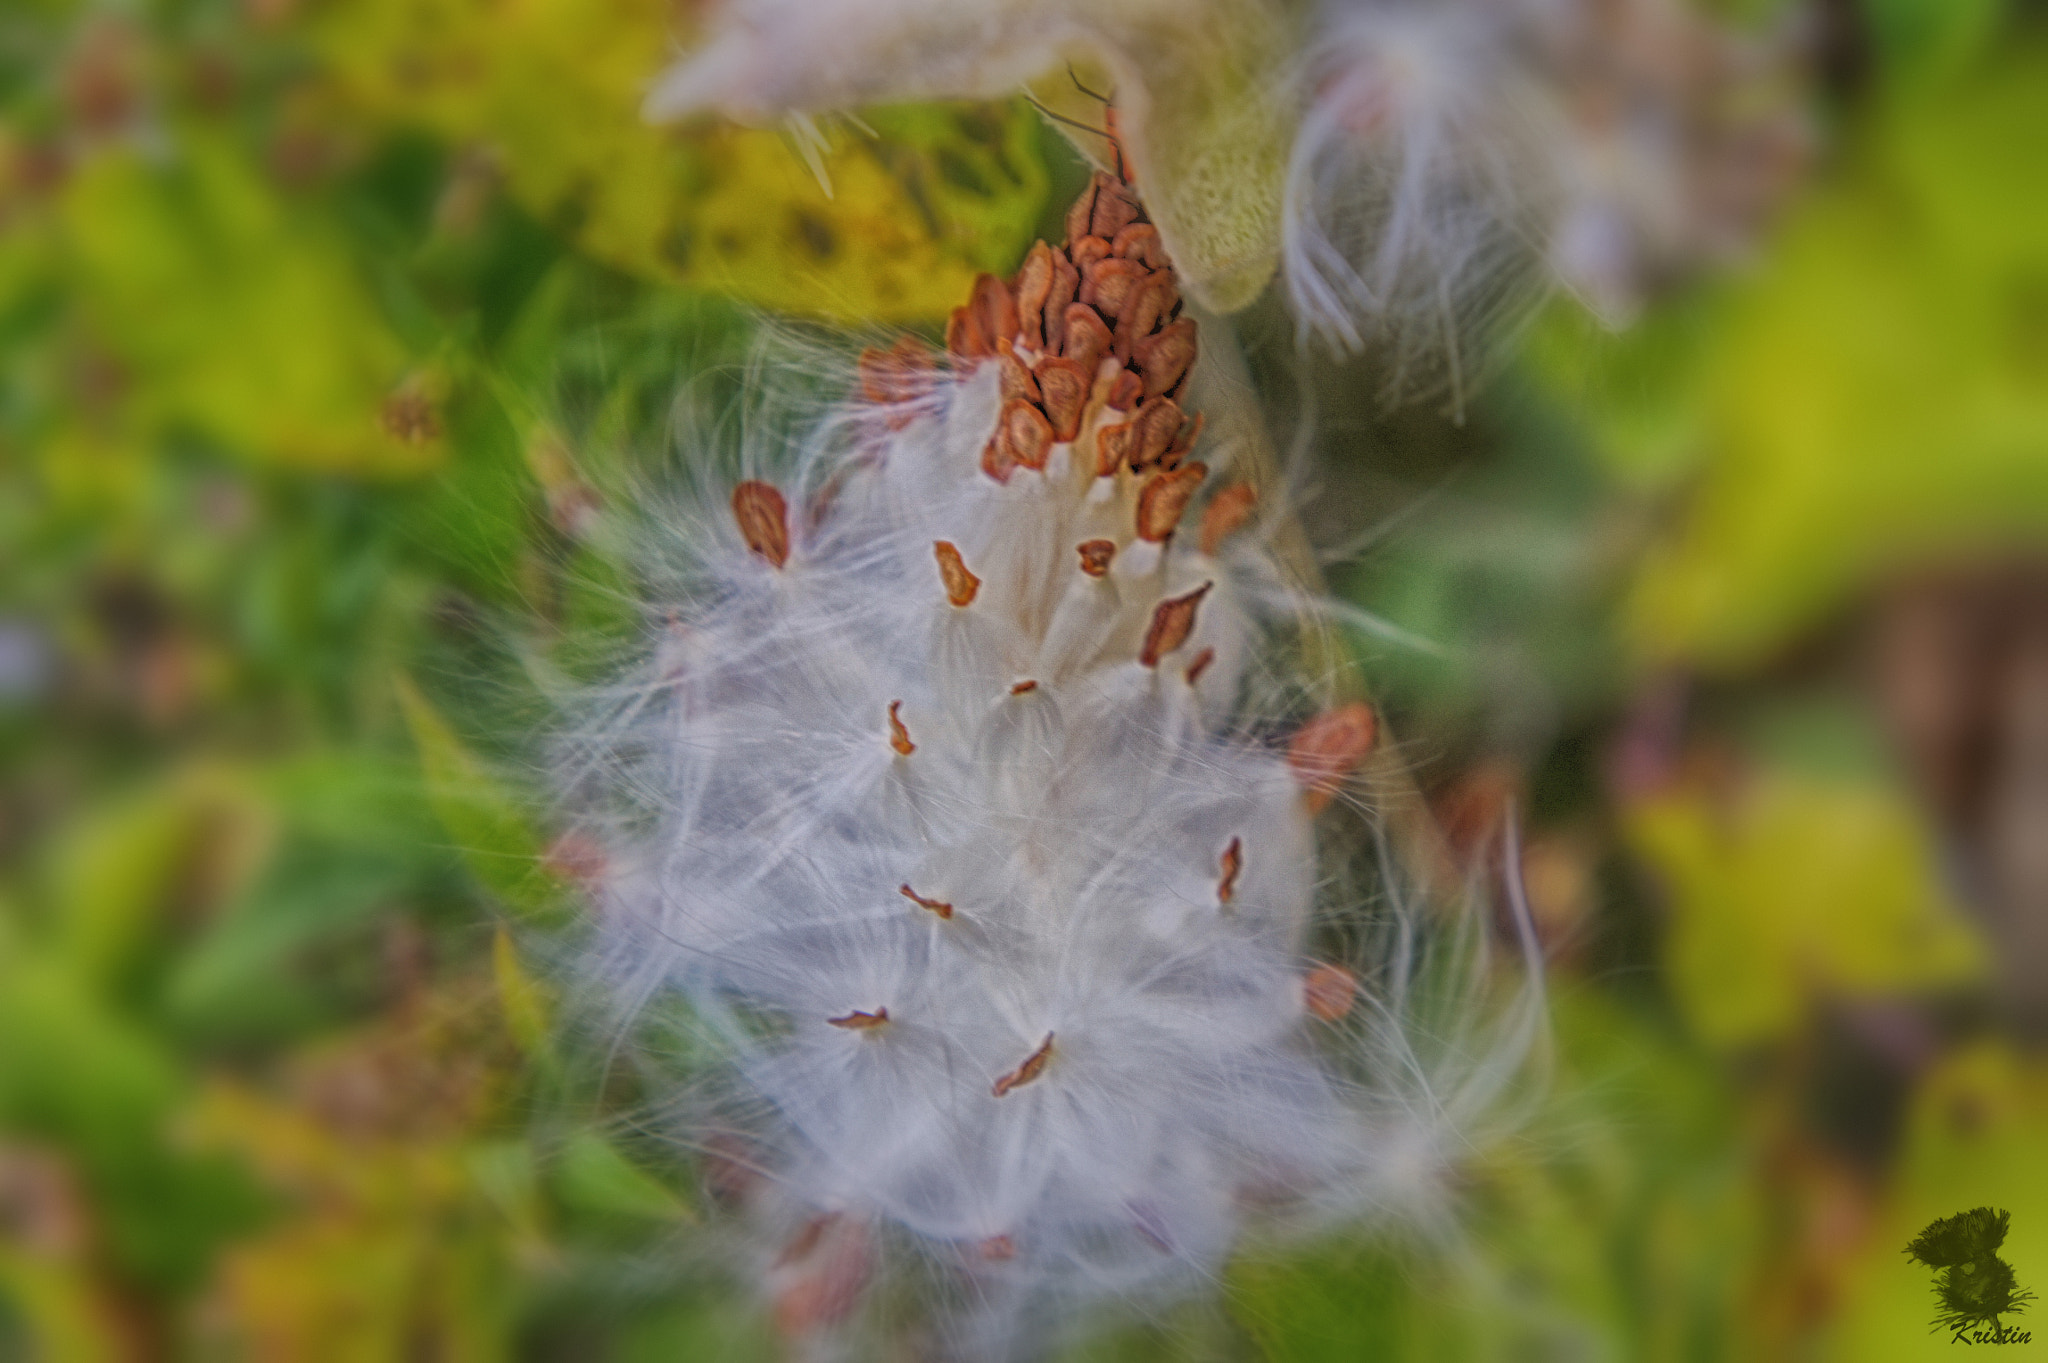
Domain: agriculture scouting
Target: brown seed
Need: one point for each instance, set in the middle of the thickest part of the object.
(1033, 1066)
(1125, 392)
(937, 906)
(1139, 242)
(1200, 665)
(763, 519)
(861, 1022)
(1114, 208)
(1034, 285)
(899, 737)
(1108, 284)
(1227, 511)
(1327, 749)
(961, 585)
(1063, 390)
(1083, 211)
(1066, 282)
(1016, 379)
(997, 1248)
(1164, 498)
(1087, 339)
(898, 375)
(1172, 621)
(1024, 688)
(1233, 864)
(1185, 441)
(995, 307)
(1023, 439)
(901, 373)
(805, 1240)
(1327, 991)
(1153, 430)
(1085, 252)
(1165, 357)
(1142, 312)
(1096, 556)
(1110, 444)
(967, 340)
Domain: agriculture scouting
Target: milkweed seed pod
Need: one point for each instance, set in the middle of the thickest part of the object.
(962, 831)
(1419, 170)
(1197, 85)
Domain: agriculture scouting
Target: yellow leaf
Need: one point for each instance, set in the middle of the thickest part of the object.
(1795, 889)
(552, 88)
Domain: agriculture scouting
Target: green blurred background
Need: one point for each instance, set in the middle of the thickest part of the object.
(320, 320)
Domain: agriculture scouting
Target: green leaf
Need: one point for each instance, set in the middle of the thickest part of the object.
(591, 1175)
(497, 841)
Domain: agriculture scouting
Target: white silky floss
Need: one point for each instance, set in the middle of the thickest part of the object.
(947, 807)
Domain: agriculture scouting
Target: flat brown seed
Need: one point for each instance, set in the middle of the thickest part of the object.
(861, 1022)
(1185, 441)
(1164, 498)
(1110, 444)
(1066, 282)
(1085, 252)
(996, 309)
(1200, 664)
(1327, 991)
(1024, 688)
(937, 906)
(966, 339)
(1153, 431)
(1108, 284)
(899, 374)
(1139, 242)
(1172, 621)
(1141, 312)
(1027, 432)
(1114, 208)
(1034, 285)
(996, 460)
(763, 519)
(1327, 749)
(1087, 339)
(1017, 381)
(1082, 213)
(805, 1240)
(899, 737)
(1033, 1066)
(1063, 391)
(1096, 556)
(1125, 392)
(961, 585)
(1226, 513)
(1165, 356)
(1232, 866)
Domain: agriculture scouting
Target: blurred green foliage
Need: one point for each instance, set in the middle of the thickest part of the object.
(317, 324)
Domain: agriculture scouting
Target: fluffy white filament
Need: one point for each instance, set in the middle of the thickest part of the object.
(955, 811)
(1454, 157)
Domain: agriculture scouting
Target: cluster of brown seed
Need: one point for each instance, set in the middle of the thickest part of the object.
(1109, 291)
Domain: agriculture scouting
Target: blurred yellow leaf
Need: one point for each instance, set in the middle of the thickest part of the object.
(1791, 889)
(551, 91)
(228, 310)
(1880, 395)
(1975, 1138)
